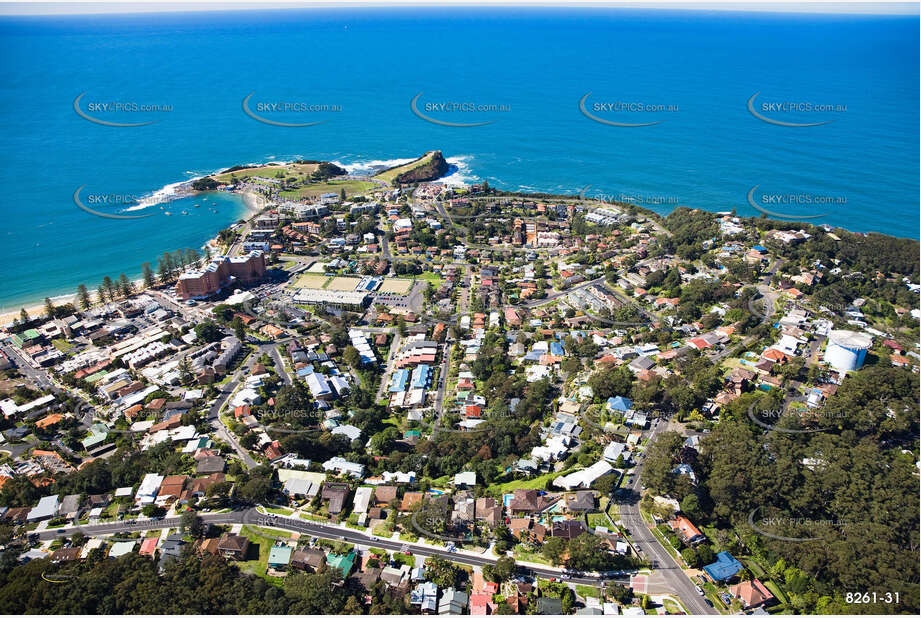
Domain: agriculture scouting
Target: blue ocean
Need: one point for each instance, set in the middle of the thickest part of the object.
(723, 106)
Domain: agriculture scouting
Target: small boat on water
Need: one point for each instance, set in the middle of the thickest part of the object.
(196, 205)
(184, 212)
(166, 212)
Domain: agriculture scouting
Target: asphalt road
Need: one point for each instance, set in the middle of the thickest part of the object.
(645, 541)
(442, 386)
(215, 419)
(272, 350)
(553, 296)
(323, 531)
(388, 364)
(24, 365)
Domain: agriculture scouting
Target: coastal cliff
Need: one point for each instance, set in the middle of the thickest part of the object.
(428, 167)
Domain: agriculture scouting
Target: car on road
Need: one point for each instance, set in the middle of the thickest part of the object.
(573, 573)
(700, 590)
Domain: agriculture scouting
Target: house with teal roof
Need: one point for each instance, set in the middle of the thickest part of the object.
(280, 557)
(98, 434)
(121, 548)
(343, 563)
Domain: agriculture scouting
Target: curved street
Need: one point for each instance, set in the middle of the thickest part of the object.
(253, 517)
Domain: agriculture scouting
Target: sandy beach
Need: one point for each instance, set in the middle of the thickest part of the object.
(254, 202)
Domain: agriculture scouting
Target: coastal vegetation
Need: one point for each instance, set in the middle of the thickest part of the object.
(430, 166)
(844, 537)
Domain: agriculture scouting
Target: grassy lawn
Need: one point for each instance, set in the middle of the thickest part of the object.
(279, 510)
(301, 172)
(311, 517)
(389, 175)
(62, 345)
(587, 591)
(434, 278)
(519, 553)
(713, 594)
(753, 566)
(598, 519)
(775, 589)
(351, 187)
(538, 482)
(671, 607)
(668, 546)
(260, 546)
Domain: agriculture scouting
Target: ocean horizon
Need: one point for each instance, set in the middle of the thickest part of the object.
(805, 114)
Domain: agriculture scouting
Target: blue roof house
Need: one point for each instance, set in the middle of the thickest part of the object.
(725, 567)
(619, 403)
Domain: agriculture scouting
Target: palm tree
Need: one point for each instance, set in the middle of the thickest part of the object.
(49, 307)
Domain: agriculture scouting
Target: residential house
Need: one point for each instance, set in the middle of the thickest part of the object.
(308, 559)
(233, 546)
(337, 494)
(280, 557)
(687, 531)
(752, 594)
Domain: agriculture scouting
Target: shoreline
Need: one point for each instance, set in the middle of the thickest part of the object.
(253, 202)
